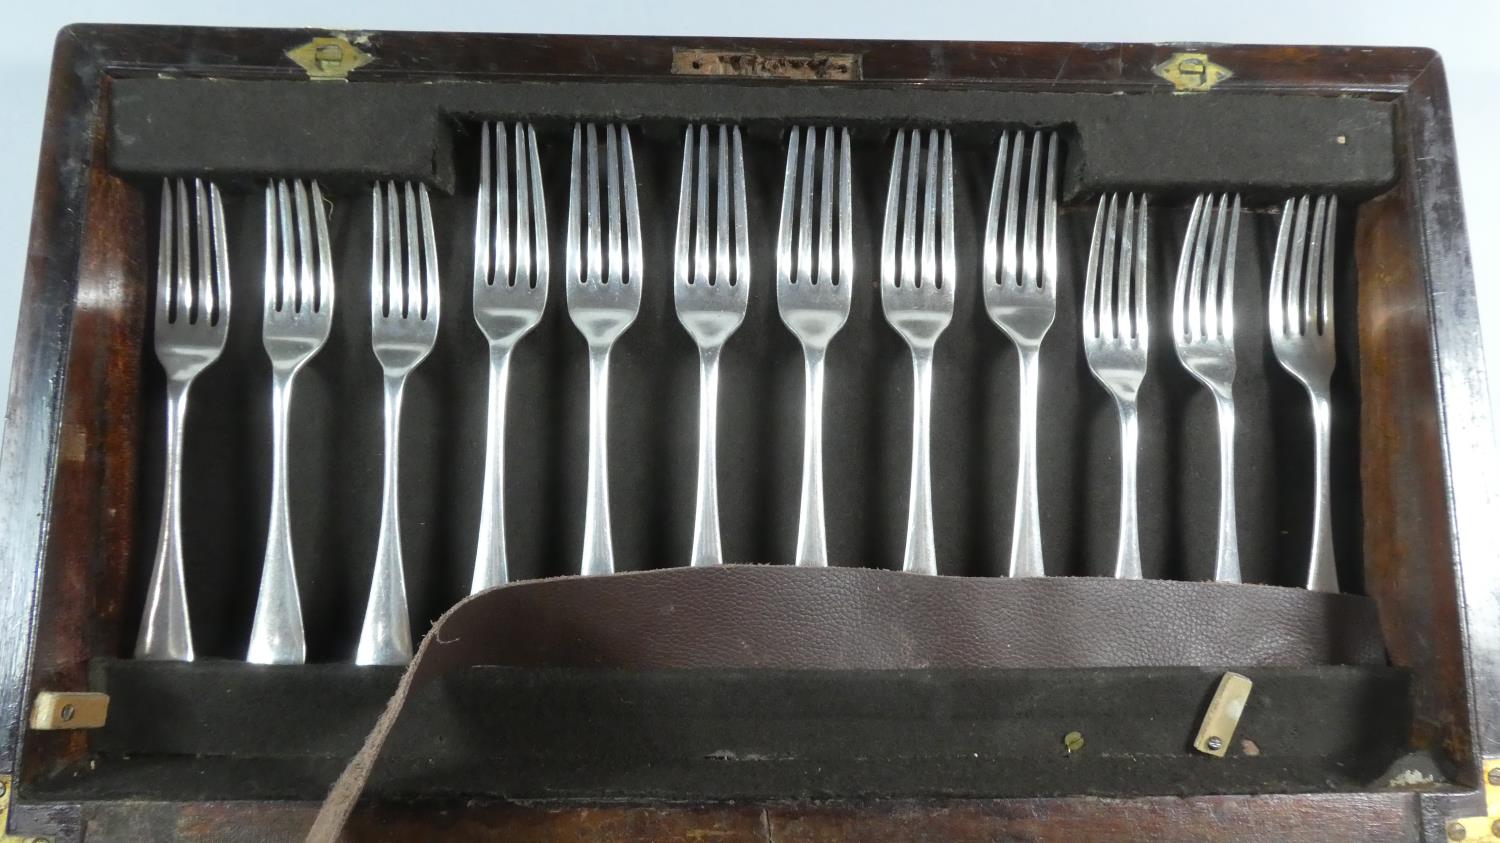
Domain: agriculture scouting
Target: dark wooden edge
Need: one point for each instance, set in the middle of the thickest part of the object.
(71, 529)
(1368, 818)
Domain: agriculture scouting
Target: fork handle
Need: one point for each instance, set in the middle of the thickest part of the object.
(921, 543)
(812, 535)
(1128, 556)
(598, 546)
(707, 546)
(165, 632)
(1026, 532)
(385, 637)
(1322, 575)
(1227, 559)
(490, 567)
(276, 637)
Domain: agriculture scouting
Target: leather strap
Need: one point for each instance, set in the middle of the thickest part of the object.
(752, 616)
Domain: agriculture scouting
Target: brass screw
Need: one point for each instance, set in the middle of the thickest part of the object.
(67, 712)
(3, 790)
(1456, 831)
(1495, 828)
(1073, 742)
(1494, 776)
(1215, 743)
(41, 840)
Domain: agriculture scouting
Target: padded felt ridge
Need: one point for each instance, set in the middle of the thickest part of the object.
(1260, 144)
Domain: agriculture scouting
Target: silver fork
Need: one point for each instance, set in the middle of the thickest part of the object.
(603, 275)
(510, 293)
(1020, 293)
(711, 295)
(295, 320)
(1301, 324)
(813, 297)
(192, 321)
(404, 308)
(916, 292)
(1116, 339)
(1203, 333)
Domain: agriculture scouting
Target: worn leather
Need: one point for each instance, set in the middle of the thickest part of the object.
(860, 618)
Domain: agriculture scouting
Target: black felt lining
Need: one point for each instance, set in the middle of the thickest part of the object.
(220, 730)
(336, 423)
(1258, 143)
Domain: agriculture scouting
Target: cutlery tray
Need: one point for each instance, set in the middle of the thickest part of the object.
(663, 701)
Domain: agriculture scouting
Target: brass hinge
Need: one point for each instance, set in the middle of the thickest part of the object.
(330, 57)
(1192, 72)
(1485, 829)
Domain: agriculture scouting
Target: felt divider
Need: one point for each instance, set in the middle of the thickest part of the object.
(1257, 143)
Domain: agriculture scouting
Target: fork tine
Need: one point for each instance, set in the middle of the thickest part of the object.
(721, 235)
(431, 289)
(846, 213)
(929, 214)
(286, 296)
(825, 215)
(1091, 270)
(1313, 272)
(910, 162)
(1029, 245)
(1276, 295)
(1325, 281)
(541, 268)
(612, 202)
(1226, 293)
(523, 260)
(1011, 256)
(184, 268)
(271, 288)
(991, 257)
(415, 302)
(379, 306)
(949, 259)
(573, 271)
(1108, 294)
(304, 248)
(1141, 328)
(395, 287)
(1297, 277)
(1049, 218)
(701, 267)
(889, 271)
(594, 258)
(804, 220)
(1182, 324)
(741, 218)
(165, 301)
(1213, 287)
(634, 262)
(1123, 328)
(220, 282)
(482, 213)
(785, 270)
(501, 240)
(681, 267)
(203, 251)
(323, 288)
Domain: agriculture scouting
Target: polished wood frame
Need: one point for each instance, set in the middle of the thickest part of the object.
(68, 474)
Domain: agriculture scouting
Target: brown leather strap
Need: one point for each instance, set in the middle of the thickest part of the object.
(749, 616)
